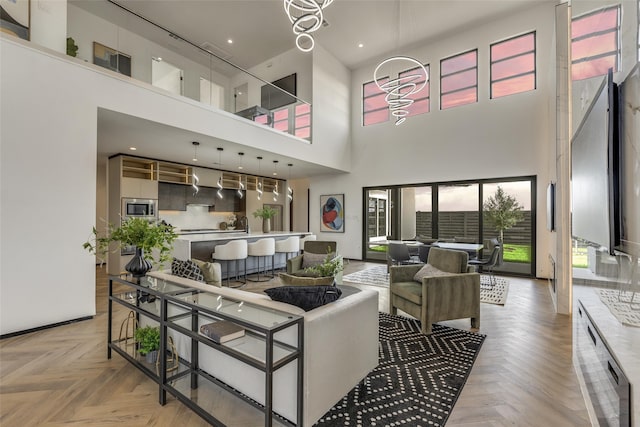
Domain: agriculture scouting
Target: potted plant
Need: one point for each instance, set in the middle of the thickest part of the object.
(331, 266)
(266, 213)
(232, 221)
(148, 339)
(144, 235)
(72, 47)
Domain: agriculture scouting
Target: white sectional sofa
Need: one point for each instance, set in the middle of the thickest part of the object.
(340, 349)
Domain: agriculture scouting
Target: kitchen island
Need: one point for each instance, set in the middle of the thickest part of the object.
(202, 245)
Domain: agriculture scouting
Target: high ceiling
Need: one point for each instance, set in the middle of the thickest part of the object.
(260, 30)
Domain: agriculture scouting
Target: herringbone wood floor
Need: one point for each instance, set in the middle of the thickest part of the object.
(523, 376)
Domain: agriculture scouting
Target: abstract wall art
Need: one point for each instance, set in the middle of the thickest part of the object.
(332, 213)
(14, 18)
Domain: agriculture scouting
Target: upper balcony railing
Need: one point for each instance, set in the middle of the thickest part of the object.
(114, 37)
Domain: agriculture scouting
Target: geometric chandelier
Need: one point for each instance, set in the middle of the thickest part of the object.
(305, 17)
(399, 90)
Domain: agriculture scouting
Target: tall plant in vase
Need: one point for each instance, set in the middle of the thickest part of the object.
(144, 235)
(266, 213)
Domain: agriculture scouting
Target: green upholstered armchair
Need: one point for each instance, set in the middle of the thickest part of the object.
(317, 250)
(438, 297)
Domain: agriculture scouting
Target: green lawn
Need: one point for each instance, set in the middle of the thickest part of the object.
(579, 257)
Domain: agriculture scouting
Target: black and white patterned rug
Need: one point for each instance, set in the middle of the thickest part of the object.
(377, 276)
(417, 381)
(625, 306)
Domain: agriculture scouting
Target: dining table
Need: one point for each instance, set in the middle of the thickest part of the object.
(472, 248)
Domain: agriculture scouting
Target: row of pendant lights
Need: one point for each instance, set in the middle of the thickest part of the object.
(241, 185)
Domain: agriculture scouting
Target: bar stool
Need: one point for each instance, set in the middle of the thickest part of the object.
(288, 246)
(263, 248)
(306, 239)
(235, 250)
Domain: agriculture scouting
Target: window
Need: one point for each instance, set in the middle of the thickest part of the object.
(374, 107)
(595, 43)
(281, 120)
(459, 80)
(302, 124)
(513, 65)
(420, 99)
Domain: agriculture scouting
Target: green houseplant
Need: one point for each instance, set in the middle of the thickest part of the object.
(266, 213)
(148, 339)
(330, 267)
(144, 235)
(72, 47)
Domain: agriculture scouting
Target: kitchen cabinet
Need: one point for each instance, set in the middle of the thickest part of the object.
(138, 188)
(230, 202)
(204, 196)
(172, 197)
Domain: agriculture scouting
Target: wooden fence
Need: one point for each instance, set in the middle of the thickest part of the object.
(466, 224)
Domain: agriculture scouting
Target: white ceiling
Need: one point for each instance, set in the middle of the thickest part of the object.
(261, 30)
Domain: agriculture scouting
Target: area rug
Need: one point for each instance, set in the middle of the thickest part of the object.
(377, 276)
(496, 294)
(417, 381)
(374, 276)
(625, 306)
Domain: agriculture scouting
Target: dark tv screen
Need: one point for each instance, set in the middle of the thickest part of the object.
(628, 239)
(591, 195)
(273, 98)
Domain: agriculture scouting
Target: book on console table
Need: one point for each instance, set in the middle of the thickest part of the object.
(222, 331)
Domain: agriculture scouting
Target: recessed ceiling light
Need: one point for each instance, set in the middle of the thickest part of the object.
(360, 45)
(132, 148)
(229, 41)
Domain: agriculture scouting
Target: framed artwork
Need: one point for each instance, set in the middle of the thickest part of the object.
(332, 213)
(14, 18)
(112, 59)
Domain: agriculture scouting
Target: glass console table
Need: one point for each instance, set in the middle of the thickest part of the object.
(179, 311)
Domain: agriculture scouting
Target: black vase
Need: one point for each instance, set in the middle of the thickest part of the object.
(138, 266)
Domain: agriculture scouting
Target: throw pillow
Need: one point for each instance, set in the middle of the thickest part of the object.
(186, 269)
(210, 273)
(309, 259)
(429, 270)
(305, 297)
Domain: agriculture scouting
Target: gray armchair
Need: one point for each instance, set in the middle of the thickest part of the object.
(438, 297)
(317, 250)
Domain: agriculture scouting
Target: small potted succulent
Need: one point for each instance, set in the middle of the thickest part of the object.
(232, 221)
(148, 339)
(266, 213)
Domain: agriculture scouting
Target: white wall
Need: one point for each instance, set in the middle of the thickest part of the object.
(48, 192)
(505, 137)
(49, 24)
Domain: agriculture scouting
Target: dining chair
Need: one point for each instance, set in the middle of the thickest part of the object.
(488, 265)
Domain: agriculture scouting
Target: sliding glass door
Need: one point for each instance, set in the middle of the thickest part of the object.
(458, 212)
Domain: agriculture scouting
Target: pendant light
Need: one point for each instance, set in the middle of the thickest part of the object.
(289, 190)
(195, 179)
(240, 183)
(259, 180)
(275, 186)
(219, 192)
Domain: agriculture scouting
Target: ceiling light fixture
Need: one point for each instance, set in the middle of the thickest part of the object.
(132, 148)
(259, 179)
(240, 163)
(289, 190)
(275, 191)
(229, 41)
(275, 168)
(360, 45)
(195, 150)
(240, 187)
(306, 17)
(219, 192)
(399, 91)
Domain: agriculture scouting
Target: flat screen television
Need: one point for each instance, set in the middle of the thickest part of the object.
(272, 97)
(593, 170)
(627, 238)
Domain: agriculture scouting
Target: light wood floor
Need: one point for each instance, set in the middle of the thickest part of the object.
(523, 376)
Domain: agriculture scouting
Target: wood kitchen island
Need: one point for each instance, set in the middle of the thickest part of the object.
(202, 245)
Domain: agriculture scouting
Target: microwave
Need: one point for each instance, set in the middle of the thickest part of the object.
(139, 208)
